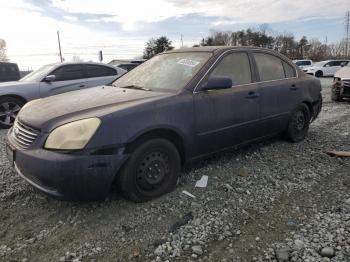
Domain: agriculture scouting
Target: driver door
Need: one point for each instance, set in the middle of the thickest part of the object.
(227, 117)
(68, 78)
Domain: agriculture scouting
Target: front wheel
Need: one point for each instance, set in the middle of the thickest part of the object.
(319, 74)
(151, 171)
(298, 125)
(335, 95)
(9, 108)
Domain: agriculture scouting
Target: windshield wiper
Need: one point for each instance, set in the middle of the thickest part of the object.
(135, 87)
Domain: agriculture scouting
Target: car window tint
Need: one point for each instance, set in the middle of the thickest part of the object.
(289, 70)
(235, 66)
(269, 67)
(99, 71)
(306, 63)
(69, 72)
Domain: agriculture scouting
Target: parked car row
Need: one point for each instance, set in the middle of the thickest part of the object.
(323, 68)
(51, 80)
(138, 133)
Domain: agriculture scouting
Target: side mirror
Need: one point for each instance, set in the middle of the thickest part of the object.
(215, 83)
(50, 78)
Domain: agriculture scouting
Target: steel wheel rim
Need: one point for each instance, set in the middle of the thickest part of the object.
(8, 113)
(299, 121)
(153, 170)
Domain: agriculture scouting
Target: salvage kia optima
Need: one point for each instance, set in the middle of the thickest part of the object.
(177, 107)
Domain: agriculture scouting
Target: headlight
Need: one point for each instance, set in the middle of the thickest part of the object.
(73, 136)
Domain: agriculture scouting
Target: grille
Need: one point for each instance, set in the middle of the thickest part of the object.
(24, 135)
(346, 83)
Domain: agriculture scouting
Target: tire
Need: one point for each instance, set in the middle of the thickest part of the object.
(319, 73)
(9, 108)
(151, 171)
(335, 96)
(298, 125)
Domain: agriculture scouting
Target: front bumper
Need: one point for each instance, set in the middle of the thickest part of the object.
(342, 88)
(74, 176)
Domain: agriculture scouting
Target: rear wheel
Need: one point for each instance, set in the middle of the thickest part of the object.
(298, 125)
(319, 73)
(151, 171)
(9, 108)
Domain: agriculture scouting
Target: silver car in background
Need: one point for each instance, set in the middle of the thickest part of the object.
(51, 80)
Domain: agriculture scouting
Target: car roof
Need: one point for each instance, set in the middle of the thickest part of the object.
(216, 48)
(79, 63)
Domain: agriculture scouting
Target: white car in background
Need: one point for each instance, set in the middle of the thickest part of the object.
(326, 68)
(303, 64)
(51, 80)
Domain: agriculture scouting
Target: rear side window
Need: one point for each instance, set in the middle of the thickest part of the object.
(69, 72)
(289, 70)
(269, 67)
(235, 66)
(99, 71)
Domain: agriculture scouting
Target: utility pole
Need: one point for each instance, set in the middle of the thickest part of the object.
(182, 41)
(347, 29)
(59, 46)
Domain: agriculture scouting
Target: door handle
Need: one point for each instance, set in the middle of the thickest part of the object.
(252, 95)
(293, 87)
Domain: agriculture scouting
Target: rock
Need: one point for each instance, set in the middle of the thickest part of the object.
(327, 252)
(197, 250)
(283, 254)
(299, 244)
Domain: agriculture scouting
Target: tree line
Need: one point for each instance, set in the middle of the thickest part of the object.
(284, 43)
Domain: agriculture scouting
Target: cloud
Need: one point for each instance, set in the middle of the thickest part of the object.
(133, 13)
(71, 18)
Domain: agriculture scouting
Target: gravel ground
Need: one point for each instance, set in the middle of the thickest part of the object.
(272, 201)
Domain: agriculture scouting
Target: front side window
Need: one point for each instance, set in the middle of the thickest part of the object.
(166, 72)
(69, 72)
(269, 66)
(235, 66)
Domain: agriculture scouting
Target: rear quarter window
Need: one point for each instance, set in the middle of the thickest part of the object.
(289, 70)
(99, 71)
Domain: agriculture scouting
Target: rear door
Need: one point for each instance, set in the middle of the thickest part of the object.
(100, 75)
(227, 117)
(279, 91)
(68, 78)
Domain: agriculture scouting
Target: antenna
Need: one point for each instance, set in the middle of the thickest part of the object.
(59, 46)
(347, 29)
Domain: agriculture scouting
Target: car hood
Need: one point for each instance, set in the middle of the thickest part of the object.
(13, 84)
(343, 72)
(52, 111)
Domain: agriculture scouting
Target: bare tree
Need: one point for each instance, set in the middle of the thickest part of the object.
(76, 58)
(3, 56)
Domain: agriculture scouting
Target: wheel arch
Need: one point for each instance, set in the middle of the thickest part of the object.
(15, 96)
(163, 132)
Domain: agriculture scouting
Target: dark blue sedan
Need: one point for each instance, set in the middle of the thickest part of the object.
(175, 108)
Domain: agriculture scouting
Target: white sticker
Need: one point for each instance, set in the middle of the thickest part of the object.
(188, 62)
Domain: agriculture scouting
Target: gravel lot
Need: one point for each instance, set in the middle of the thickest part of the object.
(272, 201)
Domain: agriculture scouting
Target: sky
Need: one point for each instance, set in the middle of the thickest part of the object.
(121, 28)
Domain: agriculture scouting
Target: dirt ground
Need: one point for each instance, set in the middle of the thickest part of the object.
(256, 196)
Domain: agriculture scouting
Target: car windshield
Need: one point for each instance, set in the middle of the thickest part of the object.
(37, 75)
(167, 72)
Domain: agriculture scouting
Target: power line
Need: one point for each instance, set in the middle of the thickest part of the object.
(347, 29)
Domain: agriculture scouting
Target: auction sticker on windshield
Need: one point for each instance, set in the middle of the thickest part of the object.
(188, 62)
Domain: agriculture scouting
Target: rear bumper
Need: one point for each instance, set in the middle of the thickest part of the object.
(340, 89)
(68, 176)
